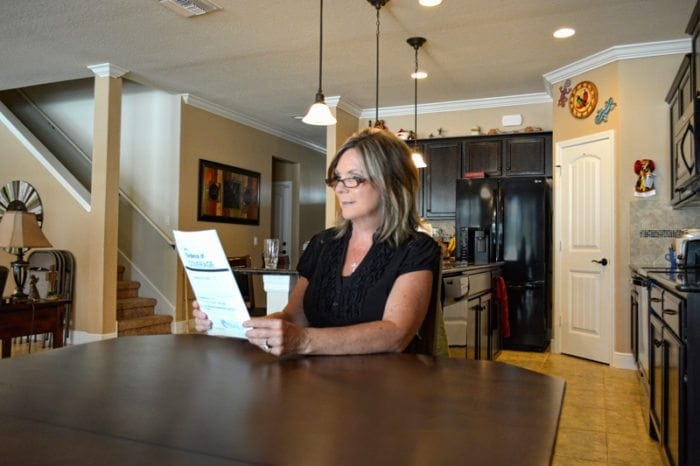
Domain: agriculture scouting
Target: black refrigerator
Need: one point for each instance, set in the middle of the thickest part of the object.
(509, 220)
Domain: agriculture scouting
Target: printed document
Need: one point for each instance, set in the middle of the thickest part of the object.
(213, 282)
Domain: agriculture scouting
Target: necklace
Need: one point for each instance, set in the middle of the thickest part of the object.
(353, 266)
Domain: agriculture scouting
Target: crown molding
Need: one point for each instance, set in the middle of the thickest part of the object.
(345, 105)
(217, 109)
(108, 70)
(616, 53)
(459, 105)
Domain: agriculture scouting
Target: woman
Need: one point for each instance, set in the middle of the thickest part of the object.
(364, 286)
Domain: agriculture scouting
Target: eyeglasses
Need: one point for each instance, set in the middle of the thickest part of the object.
(349, 182)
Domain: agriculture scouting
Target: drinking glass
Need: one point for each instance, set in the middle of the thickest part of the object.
(271, 252)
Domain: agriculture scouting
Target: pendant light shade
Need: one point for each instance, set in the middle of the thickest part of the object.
(319, 114)
(416, 43)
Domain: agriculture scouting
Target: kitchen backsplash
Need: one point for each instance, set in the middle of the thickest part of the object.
(653, 227)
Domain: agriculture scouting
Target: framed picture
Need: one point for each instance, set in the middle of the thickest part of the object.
(228, 194)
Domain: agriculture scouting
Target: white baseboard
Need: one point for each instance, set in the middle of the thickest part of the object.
(78, 337)
(623, 361)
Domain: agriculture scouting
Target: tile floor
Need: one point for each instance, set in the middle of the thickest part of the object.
(602, 419)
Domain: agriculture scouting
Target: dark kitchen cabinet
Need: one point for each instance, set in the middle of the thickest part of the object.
(681, 100)
(483, 155)
(443, 158)
(525, 155)
(497, 156)
(674, 375)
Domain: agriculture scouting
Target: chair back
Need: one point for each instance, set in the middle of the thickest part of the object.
(4, 271)
(244, 280)
(431, 338)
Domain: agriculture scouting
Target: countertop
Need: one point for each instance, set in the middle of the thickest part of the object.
(683, 280)
(454, 268)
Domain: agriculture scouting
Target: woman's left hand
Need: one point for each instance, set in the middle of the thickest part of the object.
(276, 336)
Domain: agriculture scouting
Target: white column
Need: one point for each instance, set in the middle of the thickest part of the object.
(277, 289)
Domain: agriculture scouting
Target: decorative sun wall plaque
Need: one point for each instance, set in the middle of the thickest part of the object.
(583, 99)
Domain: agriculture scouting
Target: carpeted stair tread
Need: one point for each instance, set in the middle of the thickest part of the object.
(127, 289)
(136, 302)
(149, 325)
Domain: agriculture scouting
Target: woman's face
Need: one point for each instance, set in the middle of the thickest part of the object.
(363, 202)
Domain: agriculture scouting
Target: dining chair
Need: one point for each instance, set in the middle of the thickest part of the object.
(244, 280)
(431, 338)
(4, 271)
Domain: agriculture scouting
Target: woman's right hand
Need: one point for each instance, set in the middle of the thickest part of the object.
(201, 320)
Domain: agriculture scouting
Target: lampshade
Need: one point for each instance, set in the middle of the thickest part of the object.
(418, 161)
(319, 114)
(19, 229)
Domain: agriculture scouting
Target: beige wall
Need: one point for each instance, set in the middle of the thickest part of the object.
(640, 121)
(211, 137)
(65, 224)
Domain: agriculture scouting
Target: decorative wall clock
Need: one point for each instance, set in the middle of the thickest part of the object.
(583, 99)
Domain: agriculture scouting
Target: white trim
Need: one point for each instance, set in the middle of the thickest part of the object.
(45, 158)
(461, 105)
(108, 70)
(618, 52)
(623, 361)
(217, 109)
(345, 105)
(78, 337)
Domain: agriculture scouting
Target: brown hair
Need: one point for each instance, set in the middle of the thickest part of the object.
(390, 168)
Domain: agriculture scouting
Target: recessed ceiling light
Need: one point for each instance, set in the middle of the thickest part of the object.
(563, 33)
(419, 75)
(430, 2)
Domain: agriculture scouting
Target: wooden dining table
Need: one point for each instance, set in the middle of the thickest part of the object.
(195, 399)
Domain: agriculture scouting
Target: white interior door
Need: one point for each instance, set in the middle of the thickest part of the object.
(282, 217)
(584, 272)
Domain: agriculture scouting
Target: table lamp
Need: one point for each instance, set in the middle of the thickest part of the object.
(20, 231)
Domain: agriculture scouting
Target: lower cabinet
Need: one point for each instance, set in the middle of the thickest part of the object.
(673, 373)
(482, 343)
(471, 316)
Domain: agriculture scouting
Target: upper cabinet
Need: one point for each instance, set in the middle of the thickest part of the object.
(684, 110)
(527, 155)
(448, 159)
(443, 158)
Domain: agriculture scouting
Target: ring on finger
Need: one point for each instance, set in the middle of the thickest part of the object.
(265, 346)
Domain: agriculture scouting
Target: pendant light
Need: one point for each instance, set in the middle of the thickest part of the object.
(378, 4)
(319, 114)
(416, 43)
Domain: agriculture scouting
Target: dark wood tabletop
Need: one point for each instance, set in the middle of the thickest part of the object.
(194, 399)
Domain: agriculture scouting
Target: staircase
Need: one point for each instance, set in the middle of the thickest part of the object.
(135, 315)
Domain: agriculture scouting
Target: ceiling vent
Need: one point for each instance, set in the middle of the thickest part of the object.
(189, 8)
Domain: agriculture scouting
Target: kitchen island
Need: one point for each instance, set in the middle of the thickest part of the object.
(472, 315)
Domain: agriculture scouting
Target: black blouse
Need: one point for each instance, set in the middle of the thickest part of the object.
(332, 300)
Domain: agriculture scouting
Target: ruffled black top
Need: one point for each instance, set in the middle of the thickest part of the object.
(332, 300)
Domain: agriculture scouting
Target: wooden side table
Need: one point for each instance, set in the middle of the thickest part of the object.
(18, 319)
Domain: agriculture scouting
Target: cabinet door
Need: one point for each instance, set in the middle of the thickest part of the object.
(656, 379)
(440, 177)
(527, 156)
(675, 398)
(482, 156)
(484, 352)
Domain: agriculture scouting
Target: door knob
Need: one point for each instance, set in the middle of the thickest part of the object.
(602, 262)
